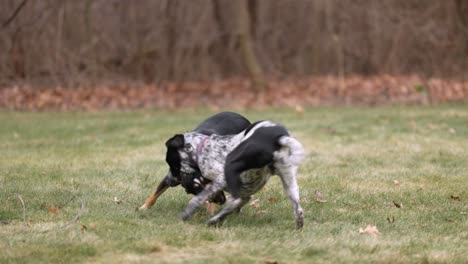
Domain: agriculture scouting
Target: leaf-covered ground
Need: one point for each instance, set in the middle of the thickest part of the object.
(237, 93)
(385, 184)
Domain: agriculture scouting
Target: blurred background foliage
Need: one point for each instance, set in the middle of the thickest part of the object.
(68, 42)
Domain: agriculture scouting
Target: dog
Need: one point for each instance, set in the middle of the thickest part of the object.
(240, 164)
(224, 123)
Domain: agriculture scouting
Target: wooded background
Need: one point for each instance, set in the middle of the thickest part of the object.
(224, 53)
(68, 42)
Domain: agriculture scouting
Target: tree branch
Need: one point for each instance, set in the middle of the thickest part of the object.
(15, 13)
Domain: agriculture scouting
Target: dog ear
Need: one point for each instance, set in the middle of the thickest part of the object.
(176, 141)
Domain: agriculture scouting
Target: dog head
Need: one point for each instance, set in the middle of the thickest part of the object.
(178, 157)
(196, 183)
(184, 170)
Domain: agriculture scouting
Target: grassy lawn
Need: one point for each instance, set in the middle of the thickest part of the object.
(360, 163)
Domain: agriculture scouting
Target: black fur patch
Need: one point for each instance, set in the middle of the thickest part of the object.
(172, 155)
(224, 123)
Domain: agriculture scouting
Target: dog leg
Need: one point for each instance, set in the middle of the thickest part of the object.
(288, 178)
(162, 187)
(230, 206)
(245, 200)
(198, 200)
(233, 183)
(211, 208)
(232, 170)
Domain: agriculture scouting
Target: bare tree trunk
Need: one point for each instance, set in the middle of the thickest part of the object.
(462, 19)
(247, 47)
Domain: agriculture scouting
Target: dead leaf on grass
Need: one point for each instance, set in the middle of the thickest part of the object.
(369, 230)
(396, 183)
(255, 203)
(117, 200)
(272, 199)
(83, 228)
(271, 261)
(299, 109)
(331, 131)
(53, 210)
(261, 212)
(455, 198)
(318, 195)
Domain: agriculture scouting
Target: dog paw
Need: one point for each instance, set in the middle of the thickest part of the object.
(185, 216)
(214, 222)
(144, 207)
(299, 219)
(299, 224)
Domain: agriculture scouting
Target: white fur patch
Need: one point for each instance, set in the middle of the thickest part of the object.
(291, 152)
(257, 126)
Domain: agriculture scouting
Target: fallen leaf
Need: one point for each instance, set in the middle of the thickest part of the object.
(318, 194)
(92, 225)
(396, 204)
(117, 200)
(455, 198)
(255, 203)
(272, 199)
(261, 212)
(396, 183)
(369, 230)
(53, 210)
(154, 247)
(299, 109)
(331, 131)
(234, 92)
(83, 228)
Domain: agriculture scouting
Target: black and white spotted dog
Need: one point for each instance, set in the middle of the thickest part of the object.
(241, 164)
(224, 123)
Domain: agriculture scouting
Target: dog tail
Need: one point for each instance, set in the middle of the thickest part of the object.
(292, 150)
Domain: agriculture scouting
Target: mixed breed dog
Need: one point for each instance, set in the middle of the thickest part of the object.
(228, 153)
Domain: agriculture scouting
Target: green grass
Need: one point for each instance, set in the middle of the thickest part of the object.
(354, 155)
